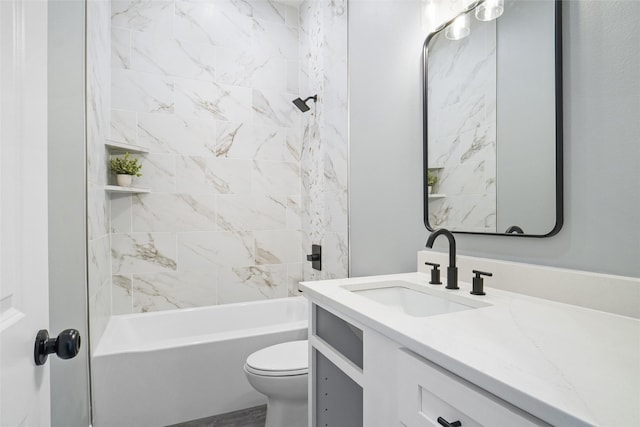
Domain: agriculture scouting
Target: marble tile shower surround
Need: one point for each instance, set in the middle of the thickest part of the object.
(324, 136)
(462, 141)
(241, 182)
(98, 96)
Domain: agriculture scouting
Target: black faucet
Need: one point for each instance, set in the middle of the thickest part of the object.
(452, 270)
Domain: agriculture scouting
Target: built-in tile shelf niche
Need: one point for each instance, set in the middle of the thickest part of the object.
(436, 195)
(119, 189)
(115, 147)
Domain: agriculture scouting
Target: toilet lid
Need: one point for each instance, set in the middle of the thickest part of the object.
(289, 358)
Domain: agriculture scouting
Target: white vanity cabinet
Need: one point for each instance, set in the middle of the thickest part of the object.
(360, 377)
(508, 360)
(429, 396)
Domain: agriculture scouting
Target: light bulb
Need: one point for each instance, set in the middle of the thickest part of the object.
(489, 10)
(429, 15)
(459, 28)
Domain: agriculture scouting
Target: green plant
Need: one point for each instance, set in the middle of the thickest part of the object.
(432, 178)
(125, 165)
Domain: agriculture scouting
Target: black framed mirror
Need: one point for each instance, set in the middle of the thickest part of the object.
(493, 121)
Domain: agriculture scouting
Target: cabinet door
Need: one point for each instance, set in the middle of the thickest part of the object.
(426, 392)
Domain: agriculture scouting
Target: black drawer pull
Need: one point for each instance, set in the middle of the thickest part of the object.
(446, 423)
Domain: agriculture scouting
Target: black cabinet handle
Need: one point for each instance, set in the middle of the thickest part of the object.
(446, 423)
(66, 345)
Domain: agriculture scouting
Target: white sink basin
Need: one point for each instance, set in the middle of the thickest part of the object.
(411, 299)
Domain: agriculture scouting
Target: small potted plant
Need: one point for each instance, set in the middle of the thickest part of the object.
(124, 168)
(432, 179)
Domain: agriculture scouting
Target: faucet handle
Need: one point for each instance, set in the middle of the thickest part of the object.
(435, 273)
(478, 282)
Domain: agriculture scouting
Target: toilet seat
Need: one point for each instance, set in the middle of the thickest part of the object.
(280, 360)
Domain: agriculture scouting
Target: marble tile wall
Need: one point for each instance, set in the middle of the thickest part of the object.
(324, 160)
(234, 169)
(98, 102)
(462, 131)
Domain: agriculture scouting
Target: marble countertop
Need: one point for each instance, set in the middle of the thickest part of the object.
(565, 364)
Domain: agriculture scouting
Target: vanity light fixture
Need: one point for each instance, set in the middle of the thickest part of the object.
(430, 15)
(486, 10)
(489, 10)
(459, 28)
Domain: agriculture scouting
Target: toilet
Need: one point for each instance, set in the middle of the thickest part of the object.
(280, 372)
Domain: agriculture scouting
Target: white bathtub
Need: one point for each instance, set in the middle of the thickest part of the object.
(157, 369)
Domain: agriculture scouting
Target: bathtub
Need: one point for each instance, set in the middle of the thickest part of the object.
(162, 368)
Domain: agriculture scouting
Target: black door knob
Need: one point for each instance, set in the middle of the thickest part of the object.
(66, 346)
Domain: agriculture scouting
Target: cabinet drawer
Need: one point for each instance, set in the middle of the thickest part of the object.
(426, 392)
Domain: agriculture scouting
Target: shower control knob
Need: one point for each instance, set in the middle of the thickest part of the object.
(65, 346)
(315, 257)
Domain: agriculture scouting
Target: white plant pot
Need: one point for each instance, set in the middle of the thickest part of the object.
(429, 189)
(124, 180)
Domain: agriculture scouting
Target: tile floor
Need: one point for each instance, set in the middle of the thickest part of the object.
(250, 417)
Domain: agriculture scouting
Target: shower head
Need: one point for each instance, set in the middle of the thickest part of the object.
(302, 105)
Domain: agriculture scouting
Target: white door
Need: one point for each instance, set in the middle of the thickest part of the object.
(24, 295)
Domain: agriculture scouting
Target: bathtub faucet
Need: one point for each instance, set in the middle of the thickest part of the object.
(452, 270)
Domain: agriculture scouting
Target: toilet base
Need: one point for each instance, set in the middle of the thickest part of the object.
(291, 413)
(280, 372)
(286, 398)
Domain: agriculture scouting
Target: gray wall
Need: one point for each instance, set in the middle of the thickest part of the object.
(67, 233)
(385, 225)
(602, 152)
